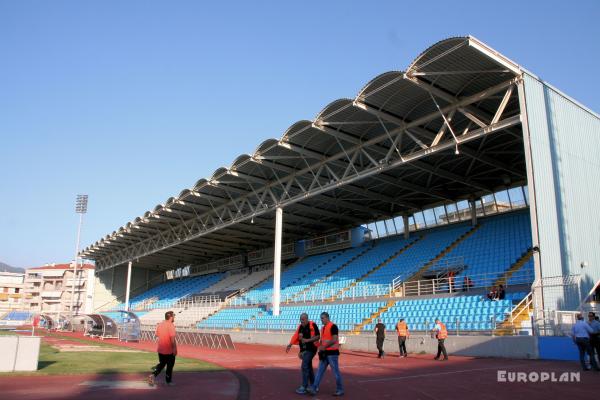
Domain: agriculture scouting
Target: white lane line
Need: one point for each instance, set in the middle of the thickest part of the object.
(118, 385)
(397, 378)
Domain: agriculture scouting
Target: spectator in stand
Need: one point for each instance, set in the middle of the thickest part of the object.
(380, 338)
(501, 293)
(451, 276)
(493, 294)
(306, 336)
(581, 336)
(467, 284)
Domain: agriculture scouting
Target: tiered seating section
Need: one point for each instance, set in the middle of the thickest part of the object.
(17, 316)
(423, 249)
(302, 275)
(496, 245)
(230, 318)
(344, 315)
(171, 292)
(366, 271)
(239, 281)
(184, 318)
(470, 313)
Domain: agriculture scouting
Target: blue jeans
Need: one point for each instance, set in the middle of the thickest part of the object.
(333, 362)
(308, 374)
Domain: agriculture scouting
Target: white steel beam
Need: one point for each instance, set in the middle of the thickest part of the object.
(277, 260)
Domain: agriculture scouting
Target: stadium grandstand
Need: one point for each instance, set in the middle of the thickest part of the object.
(431, 188)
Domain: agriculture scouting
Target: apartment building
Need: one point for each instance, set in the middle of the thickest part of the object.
(11, 291)
(48, 289)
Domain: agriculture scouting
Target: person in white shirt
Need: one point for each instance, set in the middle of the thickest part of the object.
(581, 336)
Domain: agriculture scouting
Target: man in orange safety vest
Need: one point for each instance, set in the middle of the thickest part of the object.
(441, 333)
(307, 337)
(402, 329)
(329, 353)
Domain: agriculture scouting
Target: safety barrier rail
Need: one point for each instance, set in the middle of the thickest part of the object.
(195, 338)
(334, 241)
(554, 322)
(199, 301)
(354, 293)
(464, 283)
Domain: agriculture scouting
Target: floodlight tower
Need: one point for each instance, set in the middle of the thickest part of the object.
(80, 208)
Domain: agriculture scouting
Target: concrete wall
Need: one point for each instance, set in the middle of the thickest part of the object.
(523, 347)
(102, 289)
(19, 353)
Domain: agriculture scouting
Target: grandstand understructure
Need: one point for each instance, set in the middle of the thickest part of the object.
(412, 200)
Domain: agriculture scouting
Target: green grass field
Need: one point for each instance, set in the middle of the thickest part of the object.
(54, 362)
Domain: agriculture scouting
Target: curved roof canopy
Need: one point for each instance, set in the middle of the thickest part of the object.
(447, 128)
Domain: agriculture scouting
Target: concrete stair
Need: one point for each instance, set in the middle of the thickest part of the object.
(522, 313)
(358, 327)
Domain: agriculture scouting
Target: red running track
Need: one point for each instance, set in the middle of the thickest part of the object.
(267, 372)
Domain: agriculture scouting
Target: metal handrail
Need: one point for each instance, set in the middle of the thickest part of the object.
(527, 301)
(447, 264)
(457, 284)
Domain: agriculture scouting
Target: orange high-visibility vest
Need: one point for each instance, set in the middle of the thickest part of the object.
(443, 332)
(402, 328)
(296, 340)
(326, 335)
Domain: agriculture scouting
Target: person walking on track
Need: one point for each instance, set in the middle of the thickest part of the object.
(380, 338)
(581, 332)
(441, 333)
(306, 336)
(329, 353)
(167, 349)
(402, 329)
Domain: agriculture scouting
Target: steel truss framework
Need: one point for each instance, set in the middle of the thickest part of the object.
(448, 128)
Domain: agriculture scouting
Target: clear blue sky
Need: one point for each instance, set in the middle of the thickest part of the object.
(133, 101)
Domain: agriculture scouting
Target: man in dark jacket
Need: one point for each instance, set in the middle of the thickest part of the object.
(380, 338)
(306, 336)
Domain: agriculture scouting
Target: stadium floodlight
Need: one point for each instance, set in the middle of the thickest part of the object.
(81, 204)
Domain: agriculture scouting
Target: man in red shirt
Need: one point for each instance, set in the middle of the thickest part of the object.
(167, 348)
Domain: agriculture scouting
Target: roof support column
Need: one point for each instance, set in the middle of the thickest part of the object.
(277, 260)
(128, 286)
(538, 302)
(406, 227)
(473, 207)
